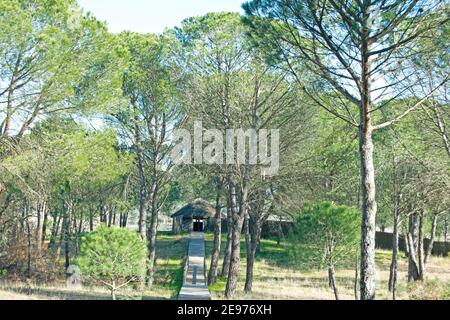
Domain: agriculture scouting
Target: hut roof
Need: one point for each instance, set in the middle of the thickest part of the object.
(198, 208)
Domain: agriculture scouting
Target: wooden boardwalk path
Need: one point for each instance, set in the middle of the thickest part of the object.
(194, 283)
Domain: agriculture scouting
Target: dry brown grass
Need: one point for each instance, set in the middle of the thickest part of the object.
(172, 251)
(57, 291)
(8, 295)
(274, 280)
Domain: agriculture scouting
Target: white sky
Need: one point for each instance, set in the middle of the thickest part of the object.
(153, 15)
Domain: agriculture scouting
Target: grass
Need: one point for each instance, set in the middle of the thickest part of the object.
(171, 257)
(277, 277)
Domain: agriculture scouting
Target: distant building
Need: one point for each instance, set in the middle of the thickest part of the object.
(195, 216)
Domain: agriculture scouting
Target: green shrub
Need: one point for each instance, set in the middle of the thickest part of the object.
(113, 257)
(324, 231)
(326, 235)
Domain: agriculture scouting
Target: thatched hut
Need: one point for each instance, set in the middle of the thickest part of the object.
(195, 216)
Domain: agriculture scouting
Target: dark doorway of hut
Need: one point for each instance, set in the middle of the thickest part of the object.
(198, 225)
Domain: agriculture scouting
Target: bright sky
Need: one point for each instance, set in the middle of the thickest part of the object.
(153, 15)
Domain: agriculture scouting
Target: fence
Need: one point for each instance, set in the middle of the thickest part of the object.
(384, 241)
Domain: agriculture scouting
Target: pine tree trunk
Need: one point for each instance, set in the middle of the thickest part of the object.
(249, 276)
(248, 248)
(369, 210)
(355, 280)
(40, 225)
(113, 291)
(394, 262)
(238, 220)
(143, 194)
(66, 236)
(235, 258)
(45, 224)
(255, 235)
(29, 249)
(153, 233)
(413, 266)
(280, 231)
(114, 220)
(395, 244)
(110, 216)
(91, 221)
(393, 271)
(432, 238)
(446, 224)
(332, 281)
(366, 150)
(55, 229)
(227, 255)
(442, 129)
(420, 245)
(143, 208)
(212, 274)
